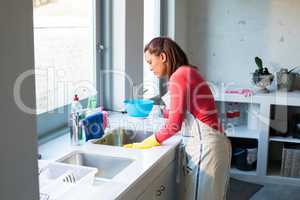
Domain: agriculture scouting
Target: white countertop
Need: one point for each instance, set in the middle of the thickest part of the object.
(147, 161)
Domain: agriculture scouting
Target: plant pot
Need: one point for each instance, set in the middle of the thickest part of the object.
(285, 80)
(262, 81)
(296, 82)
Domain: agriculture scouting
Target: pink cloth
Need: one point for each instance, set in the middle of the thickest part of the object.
(244, 92)
(188, 92)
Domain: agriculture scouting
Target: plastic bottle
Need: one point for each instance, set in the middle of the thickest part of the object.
(76, 128)
(92, 102)
(105, 119)
(76, 106)
(233, 114)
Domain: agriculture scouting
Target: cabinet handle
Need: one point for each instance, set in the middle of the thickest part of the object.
(158, 193)
(160, 190)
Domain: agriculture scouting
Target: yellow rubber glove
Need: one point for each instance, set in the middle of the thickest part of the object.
(146, 144)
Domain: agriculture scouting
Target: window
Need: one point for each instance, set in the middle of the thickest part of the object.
(64, 51)
(151, 30)
(65, 57)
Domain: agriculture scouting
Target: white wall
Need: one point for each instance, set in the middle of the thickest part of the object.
(181, 23)
(225, 36)
(18, 143)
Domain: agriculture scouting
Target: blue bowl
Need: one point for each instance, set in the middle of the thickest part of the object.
(138, 107)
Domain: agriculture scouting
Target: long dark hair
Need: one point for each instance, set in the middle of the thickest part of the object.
(175, 56)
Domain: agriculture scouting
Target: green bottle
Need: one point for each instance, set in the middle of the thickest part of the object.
(92, 103)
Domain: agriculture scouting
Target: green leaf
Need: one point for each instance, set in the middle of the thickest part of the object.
(259, 63)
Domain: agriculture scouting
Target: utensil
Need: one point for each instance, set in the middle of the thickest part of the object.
(69, 177)
(134, 94)
(145, 91)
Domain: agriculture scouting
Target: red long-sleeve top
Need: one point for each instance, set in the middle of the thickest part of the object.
(188, 92)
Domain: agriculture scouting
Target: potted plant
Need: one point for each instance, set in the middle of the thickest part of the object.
(285, 79)
(262, 77)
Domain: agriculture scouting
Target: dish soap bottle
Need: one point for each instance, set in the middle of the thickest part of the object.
(76, 106)
(75, 122)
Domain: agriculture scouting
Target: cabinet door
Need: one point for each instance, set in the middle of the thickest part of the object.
(163, 187)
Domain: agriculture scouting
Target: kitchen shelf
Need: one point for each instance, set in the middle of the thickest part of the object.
(234, 98)
(276, 98)
(276, 161)
(289, 139)
(243, 132)
(260, 107)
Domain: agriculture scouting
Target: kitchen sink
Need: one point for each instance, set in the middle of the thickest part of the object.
(120, 136)
(107, 166)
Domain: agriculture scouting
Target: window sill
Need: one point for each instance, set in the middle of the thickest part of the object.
(54, 145)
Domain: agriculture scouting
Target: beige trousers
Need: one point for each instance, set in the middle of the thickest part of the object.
(204, 162)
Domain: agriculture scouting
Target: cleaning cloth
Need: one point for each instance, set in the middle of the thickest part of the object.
(93, 126)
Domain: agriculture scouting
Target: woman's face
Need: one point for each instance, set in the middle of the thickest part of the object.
(158, 64)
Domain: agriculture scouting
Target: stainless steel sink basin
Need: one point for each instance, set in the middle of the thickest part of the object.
(107, 166)
(119, 137)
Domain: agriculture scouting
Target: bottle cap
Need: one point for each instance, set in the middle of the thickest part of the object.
(76, 98)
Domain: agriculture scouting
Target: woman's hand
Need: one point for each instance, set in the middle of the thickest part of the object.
(146, 144)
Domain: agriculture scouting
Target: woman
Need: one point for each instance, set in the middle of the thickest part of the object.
(207, 151)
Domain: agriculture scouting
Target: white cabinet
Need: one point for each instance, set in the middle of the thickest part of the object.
(163, 187)
(256, 126)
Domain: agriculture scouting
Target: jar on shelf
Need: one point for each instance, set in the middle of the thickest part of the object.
(233, 113)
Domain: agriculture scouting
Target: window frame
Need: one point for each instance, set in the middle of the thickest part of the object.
(58, 117)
